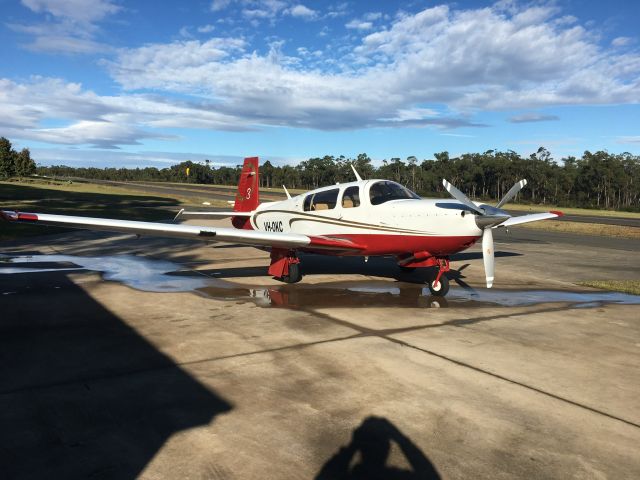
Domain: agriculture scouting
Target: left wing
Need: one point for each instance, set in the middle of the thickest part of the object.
(210, 234)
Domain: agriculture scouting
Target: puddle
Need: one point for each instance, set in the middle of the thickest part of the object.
(153, 275)
(141, 273)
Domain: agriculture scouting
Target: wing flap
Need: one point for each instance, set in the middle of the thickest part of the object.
(333, 243)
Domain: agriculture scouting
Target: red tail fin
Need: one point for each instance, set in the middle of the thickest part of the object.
(248, 196)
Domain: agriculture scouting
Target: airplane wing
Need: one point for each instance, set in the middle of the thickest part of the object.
(533, 217)
(210, 234)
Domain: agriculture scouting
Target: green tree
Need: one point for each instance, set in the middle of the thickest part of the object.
(7, 162)
(24, 164)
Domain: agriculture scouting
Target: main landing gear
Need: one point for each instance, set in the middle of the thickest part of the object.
(285, 266)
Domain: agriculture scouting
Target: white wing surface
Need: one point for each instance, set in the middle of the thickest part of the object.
(209, 234)
(533, 217)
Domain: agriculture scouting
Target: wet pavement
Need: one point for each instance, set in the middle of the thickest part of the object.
(150, 358)
(155, 275)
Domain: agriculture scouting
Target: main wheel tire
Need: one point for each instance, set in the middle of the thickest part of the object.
(441, 288)
(294, 274)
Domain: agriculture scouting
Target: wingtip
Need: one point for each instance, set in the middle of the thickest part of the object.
(558, 213)
(9, 215)
(15, 216)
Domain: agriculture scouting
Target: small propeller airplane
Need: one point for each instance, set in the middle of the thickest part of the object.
(363, 218)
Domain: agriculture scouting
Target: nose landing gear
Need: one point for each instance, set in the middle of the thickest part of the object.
(439, 286)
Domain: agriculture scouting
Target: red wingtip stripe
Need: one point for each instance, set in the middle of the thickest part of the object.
(28, 217)
(557, 212)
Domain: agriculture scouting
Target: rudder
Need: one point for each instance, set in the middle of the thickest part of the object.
(248, 195)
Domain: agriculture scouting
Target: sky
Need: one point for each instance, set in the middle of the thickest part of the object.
(148, 83)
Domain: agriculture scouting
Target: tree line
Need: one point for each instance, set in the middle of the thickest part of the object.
(14, 163)
(595, 180)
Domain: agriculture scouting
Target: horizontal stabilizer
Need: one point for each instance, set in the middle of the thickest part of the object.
(197, 214)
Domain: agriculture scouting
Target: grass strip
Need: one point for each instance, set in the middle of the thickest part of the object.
(81, 199)
(580, 228)
(625, 286)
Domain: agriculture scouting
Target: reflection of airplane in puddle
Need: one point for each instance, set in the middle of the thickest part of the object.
(347, 297)
(363, 218)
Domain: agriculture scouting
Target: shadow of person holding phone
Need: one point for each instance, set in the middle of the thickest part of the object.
(365, 457)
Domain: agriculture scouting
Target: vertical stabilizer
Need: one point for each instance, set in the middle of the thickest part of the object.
(248, 196)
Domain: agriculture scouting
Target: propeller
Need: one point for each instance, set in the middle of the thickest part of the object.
(487, 217)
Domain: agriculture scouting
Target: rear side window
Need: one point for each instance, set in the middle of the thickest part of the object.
(351, 197)
(325, 200)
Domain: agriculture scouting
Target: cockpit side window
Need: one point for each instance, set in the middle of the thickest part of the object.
(381, 192)
(325, 200)
(351, 197)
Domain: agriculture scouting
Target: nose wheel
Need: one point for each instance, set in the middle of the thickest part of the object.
(439, 286)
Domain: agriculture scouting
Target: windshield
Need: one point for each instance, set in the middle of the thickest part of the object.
(381, 192)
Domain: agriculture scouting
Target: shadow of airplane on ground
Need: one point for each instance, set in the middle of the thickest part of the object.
(82, 394)
(365, 457)
(384, 267)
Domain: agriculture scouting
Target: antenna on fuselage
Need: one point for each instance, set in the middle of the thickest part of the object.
(286, 191)
(358, 177)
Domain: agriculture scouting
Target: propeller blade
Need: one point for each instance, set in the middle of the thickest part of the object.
(513, 191)
(461, 197)
(487, 255)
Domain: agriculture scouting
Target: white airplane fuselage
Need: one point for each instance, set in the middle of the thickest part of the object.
(394, 227)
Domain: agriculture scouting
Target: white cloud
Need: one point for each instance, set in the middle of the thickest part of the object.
(628, 139)
(302, 12)
(621, 41)
(72, 28)
(464, 61)
(185, 32)
(371, 16)
(457, 62)
(262, 9)
(359, 25)
(82, 11)
(104, 121)
(217, 5)
(206, 29)
(532, 117)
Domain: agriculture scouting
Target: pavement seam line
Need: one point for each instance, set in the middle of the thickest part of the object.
(380, 334)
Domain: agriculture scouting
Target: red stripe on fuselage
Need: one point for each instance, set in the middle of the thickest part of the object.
(380, 244)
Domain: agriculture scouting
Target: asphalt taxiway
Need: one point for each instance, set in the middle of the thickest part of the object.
(153, 358)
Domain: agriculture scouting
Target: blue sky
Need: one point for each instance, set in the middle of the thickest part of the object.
(111, 82)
